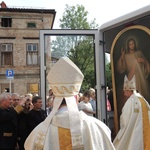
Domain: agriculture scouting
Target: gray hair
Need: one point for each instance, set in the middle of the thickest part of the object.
(15, 94)
(29, 95)
(4, 96)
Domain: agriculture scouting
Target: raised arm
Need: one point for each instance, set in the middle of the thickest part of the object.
(121, 62)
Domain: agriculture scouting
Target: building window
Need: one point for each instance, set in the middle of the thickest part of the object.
(31, 25)
(6, 54)
(32, 54)
(5, 87)
(6, 22)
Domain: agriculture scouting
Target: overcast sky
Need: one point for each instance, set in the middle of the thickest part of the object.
(102, 10)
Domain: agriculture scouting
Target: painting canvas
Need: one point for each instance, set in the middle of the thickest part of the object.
(130, 56)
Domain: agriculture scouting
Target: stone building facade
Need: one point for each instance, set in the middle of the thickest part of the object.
(19, 47)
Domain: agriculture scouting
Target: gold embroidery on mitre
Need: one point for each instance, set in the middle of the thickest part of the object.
(39, 141)
(129, 85)
(61, 89)
(146, 124)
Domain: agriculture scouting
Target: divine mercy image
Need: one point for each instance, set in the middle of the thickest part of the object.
(130, 54)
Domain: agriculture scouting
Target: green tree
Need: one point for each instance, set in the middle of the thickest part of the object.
(75, 17)
(79, 49)
(80, 56)
(108, 75)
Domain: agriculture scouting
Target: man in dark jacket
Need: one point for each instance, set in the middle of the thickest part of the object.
(36, 115)
(8, 121)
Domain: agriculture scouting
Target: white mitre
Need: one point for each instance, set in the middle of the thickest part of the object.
(129, 84)
(65, 78)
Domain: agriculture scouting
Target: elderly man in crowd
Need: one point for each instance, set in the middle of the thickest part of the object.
(8, 121)
(15, 98)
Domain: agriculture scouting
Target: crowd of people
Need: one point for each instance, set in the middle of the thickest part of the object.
(19, 115)
(86, 102)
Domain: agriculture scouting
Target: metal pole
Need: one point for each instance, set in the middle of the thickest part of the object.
(10, 86)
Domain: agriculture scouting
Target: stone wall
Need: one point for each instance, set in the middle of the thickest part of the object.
(23, 74)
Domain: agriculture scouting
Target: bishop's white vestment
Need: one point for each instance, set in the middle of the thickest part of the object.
(95, 134)
(134, 133)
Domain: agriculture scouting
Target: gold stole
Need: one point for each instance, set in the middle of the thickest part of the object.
(64, 139)
(146, 124)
